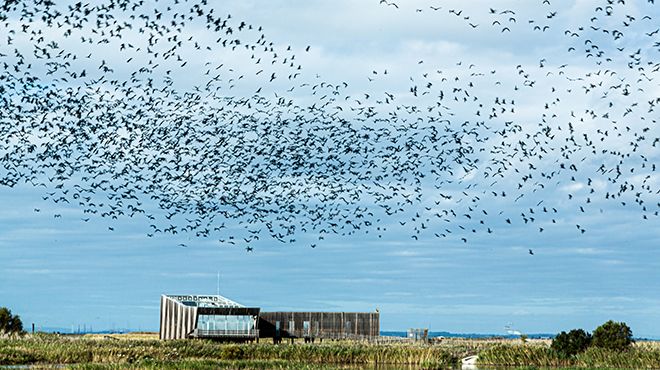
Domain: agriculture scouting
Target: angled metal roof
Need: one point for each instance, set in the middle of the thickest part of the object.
(204, 300)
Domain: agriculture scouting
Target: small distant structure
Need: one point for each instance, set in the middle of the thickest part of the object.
(418, 335)
(512, 331)
(217, 317)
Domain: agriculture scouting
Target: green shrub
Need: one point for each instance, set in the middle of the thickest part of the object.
(571, 343)
(15, 356)
(612, 335)
(9, 323)
(232, 352)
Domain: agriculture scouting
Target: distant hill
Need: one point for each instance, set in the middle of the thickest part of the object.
(401, 334)
(435, 334)
(81, 330)
(446, 334)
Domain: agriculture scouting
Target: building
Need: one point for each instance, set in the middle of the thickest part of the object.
(216, 317)
(319, 325)
(418, 334)
(206, 316)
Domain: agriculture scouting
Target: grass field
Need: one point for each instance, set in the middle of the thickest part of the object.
(145, 351)
(642, 355)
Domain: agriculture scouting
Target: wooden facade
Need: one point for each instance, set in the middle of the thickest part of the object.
(177, 321)
(322, 325)
(180, 320)
(216, 317)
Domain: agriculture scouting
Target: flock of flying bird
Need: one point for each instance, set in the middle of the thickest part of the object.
(98, 108)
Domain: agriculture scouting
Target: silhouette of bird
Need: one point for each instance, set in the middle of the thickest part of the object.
(303, 153)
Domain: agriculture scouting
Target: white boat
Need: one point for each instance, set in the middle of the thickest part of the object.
(469, 362)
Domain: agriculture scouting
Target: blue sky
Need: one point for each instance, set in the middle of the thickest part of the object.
(65, 272)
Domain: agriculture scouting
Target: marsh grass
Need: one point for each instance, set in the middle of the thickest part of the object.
(207, 364)
(641, 356)
(52, 349)
(145, 352)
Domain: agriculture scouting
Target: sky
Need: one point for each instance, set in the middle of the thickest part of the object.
(64, 272)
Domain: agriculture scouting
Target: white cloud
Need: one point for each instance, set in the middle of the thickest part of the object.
(439, 276)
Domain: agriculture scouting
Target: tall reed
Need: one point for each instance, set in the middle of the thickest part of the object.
(637, 357)
(62, 350)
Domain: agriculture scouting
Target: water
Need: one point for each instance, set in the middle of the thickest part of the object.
(414, 367)
(347, 367)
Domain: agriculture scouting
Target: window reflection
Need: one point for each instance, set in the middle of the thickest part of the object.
(231, 323)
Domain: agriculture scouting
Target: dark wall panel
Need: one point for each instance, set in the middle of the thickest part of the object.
(319, 324)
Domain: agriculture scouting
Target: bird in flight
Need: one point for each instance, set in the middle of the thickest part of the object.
(258, 145)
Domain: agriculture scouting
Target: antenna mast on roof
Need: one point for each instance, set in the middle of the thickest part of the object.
(218, 286)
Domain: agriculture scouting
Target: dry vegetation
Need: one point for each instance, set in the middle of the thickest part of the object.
(642, 355)
(144, 350)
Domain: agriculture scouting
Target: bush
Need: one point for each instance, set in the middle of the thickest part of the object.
(612, 335)
(571, 343)
(16, 356)
(9, 324)
(232, 352)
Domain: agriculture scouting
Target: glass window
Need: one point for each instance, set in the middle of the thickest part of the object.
(232, 323)
(306, 328)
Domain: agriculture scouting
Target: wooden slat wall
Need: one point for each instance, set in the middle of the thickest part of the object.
(176, 319)
(322, 324)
